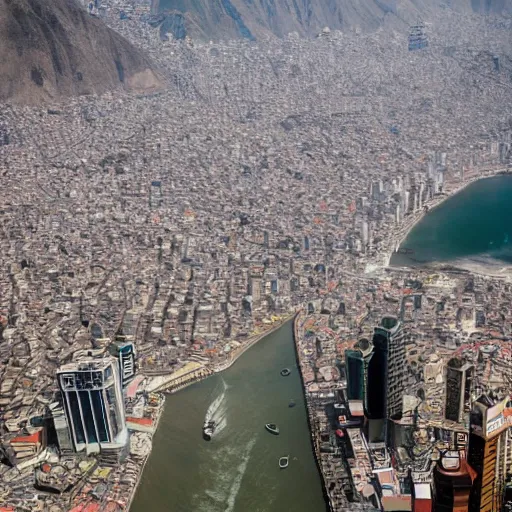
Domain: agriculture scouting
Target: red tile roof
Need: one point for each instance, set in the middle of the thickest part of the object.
(32, 439)
(140, 421)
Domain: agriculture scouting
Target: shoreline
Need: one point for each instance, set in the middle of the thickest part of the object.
(252, 342)
(406, 227)
(205, 371)
(312, 430)
(242, 349)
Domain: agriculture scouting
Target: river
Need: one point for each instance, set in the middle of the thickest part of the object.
(471, 229)
(237, 471)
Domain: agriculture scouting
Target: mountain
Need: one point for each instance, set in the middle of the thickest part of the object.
(53, 48)
(254, 19)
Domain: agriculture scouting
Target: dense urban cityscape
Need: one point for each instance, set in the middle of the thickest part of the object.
(150, 239)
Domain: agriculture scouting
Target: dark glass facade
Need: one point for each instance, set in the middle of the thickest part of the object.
(377, 377)
(354, 364)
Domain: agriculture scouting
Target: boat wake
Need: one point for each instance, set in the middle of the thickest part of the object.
(221, 496)
(217, 410)
(237, 482)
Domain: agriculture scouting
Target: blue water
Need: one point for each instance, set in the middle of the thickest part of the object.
(475, 224)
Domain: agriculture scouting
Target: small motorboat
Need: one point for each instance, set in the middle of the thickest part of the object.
(292, 403)
(208, 430)
(285, 372)
(283, 462)
(272, 428)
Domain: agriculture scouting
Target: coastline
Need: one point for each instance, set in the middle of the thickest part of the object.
(312, 430)
(196, 378)
(410, 222)
(252, 341)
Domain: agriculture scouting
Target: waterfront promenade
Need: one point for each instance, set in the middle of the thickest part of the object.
(194, 371)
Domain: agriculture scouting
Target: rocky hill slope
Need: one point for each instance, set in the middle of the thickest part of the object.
(253, 19)
(53, 48)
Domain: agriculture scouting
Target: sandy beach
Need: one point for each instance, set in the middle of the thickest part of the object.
(410, 222)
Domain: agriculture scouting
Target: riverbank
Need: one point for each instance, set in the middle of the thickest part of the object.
(200, 371)
(411, 221)
(251, 342)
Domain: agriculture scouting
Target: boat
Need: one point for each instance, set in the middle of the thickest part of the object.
(291, 403)
(285, 372)
(208, 430)
(272, 428)
(283, 462)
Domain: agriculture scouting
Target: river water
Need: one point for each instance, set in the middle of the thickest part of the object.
(472, 228)
(238, 470)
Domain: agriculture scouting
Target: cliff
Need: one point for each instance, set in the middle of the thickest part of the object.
(53, 48)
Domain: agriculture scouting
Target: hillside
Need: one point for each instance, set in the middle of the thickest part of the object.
(254, 19)
(53, 48)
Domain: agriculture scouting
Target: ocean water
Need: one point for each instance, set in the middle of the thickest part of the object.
(238, 470)
(471, 229)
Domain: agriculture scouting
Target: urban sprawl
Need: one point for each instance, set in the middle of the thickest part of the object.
(148, 240)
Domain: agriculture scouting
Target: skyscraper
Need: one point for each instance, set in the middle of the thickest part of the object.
(486, 453)
(459, 379)
(385, 370)
(385, 380)
(124, 350)
(354, 364)
(356, 361)
(453, 481)
(94, 405)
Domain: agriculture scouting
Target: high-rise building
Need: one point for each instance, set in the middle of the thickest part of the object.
(385, 374)
(94, 405)
(417, 37)
(453, 480)
(487, 453)
(356, 362)
(62, 430)
(124, 350)
(459, 380)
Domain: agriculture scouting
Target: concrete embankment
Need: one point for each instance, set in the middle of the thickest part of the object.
(194, 372)
(250, 343)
